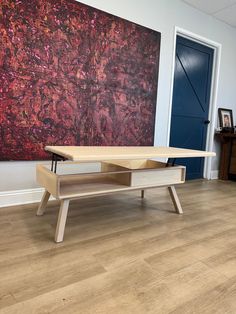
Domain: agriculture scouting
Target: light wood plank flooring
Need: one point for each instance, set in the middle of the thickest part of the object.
(123, 254)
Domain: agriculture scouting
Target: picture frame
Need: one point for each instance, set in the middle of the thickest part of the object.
(225, 118)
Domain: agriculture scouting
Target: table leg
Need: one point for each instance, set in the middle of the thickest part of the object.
(61, 221)
(43, 203)
(175, 200)
(142, 193)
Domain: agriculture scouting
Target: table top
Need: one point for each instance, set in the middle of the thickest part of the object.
(99, 153)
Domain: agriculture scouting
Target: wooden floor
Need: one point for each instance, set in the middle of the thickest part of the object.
(122, 254)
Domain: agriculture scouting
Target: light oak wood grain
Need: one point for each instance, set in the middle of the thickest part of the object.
(217, 300)
(175, 199)
(43, 203)
(61, 222)
(123, 254)
(112, 178)
(96, 153)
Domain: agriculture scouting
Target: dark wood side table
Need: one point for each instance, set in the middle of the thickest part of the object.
(228, 155)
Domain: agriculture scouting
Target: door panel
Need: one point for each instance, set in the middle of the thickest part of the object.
(191, 96)
(184, 94)
(192, 126)
(195, 65)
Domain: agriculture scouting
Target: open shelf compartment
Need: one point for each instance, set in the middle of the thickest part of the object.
(108, 177)
(81, 181)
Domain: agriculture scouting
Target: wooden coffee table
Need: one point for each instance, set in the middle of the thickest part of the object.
(91, 171)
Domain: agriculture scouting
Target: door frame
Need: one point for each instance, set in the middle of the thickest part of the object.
(214, 90)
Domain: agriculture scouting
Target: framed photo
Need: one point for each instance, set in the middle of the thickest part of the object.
(225, 118)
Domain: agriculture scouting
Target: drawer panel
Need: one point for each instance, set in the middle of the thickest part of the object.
(158, 177)
(150, 172)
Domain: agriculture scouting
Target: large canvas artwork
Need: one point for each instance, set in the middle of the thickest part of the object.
(73, 75)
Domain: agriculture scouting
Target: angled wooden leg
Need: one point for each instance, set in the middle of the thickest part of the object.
(175, 200)
(43, 203)
(142, 193)
(61, 221)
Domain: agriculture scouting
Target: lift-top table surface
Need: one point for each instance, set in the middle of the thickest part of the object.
(100, 153)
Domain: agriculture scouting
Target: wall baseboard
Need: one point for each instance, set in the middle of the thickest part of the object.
(214, 174)
(19, 197)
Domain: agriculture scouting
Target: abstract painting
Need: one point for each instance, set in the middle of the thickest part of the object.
(71, 74)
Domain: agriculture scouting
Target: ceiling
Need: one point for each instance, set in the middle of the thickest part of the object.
(224, 10)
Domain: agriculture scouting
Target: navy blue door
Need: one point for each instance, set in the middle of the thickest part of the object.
(190, 106)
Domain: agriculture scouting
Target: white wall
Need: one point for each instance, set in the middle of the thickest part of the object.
(163, 16)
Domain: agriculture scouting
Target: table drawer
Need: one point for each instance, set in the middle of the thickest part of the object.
(158, 177)
(151, 172)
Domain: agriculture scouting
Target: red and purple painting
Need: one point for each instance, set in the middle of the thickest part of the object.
(73, 75)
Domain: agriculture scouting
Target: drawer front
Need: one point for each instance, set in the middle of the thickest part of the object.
(167, 176)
